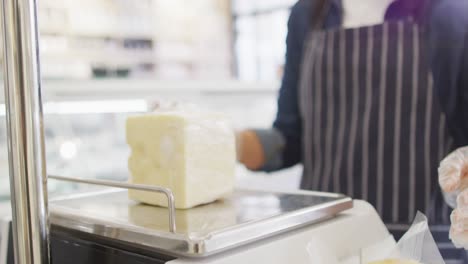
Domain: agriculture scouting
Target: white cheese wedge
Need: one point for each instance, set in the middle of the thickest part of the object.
(190, 152)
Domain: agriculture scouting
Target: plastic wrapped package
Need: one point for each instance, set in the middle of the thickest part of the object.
(416, 246)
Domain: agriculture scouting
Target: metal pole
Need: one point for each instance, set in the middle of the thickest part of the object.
(25, 131)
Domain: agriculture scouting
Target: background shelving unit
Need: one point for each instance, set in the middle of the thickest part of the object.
(126, 38)
(82, 39)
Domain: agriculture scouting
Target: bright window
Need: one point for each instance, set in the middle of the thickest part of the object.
(260, 34)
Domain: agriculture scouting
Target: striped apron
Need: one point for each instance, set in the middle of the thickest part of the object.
(372, 125)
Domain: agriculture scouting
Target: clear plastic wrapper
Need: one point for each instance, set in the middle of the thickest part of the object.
(418, 244)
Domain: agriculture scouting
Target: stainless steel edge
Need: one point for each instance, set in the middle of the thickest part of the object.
(252, 232)
(25, 131)
(161, 241)
(193, 245)
(305, 192)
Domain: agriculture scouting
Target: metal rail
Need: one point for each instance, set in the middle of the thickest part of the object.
(124, 185)
(25, 131)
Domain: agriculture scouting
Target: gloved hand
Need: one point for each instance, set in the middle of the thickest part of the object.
(453, 179)
(453, 171)
(459, 219)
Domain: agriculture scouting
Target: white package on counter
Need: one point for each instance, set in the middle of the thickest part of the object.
(416, 246)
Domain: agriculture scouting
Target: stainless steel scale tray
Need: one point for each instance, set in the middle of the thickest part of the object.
(245, 217)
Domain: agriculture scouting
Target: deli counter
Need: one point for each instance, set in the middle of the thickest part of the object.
(253, 227)
(96, 224)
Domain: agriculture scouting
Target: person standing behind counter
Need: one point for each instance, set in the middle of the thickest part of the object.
(370, 108)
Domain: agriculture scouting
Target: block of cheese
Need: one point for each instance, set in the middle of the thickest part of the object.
(192, 152)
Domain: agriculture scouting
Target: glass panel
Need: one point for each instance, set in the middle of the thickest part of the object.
(271, 44)
(242, 7)
(246, 51)
(261, 51)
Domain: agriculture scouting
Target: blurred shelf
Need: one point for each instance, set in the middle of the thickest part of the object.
(93, 56)
(100, 35)
(104, 89)
(247, 7)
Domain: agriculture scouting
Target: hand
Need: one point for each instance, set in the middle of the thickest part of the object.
(249, 150)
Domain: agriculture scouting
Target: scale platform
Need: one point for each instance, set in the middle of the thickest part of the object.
(245, 217)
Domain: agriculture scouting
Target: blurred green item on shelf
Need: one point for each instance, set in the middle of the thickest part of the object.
(100, 72)
(104, 72)
(122, 72)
